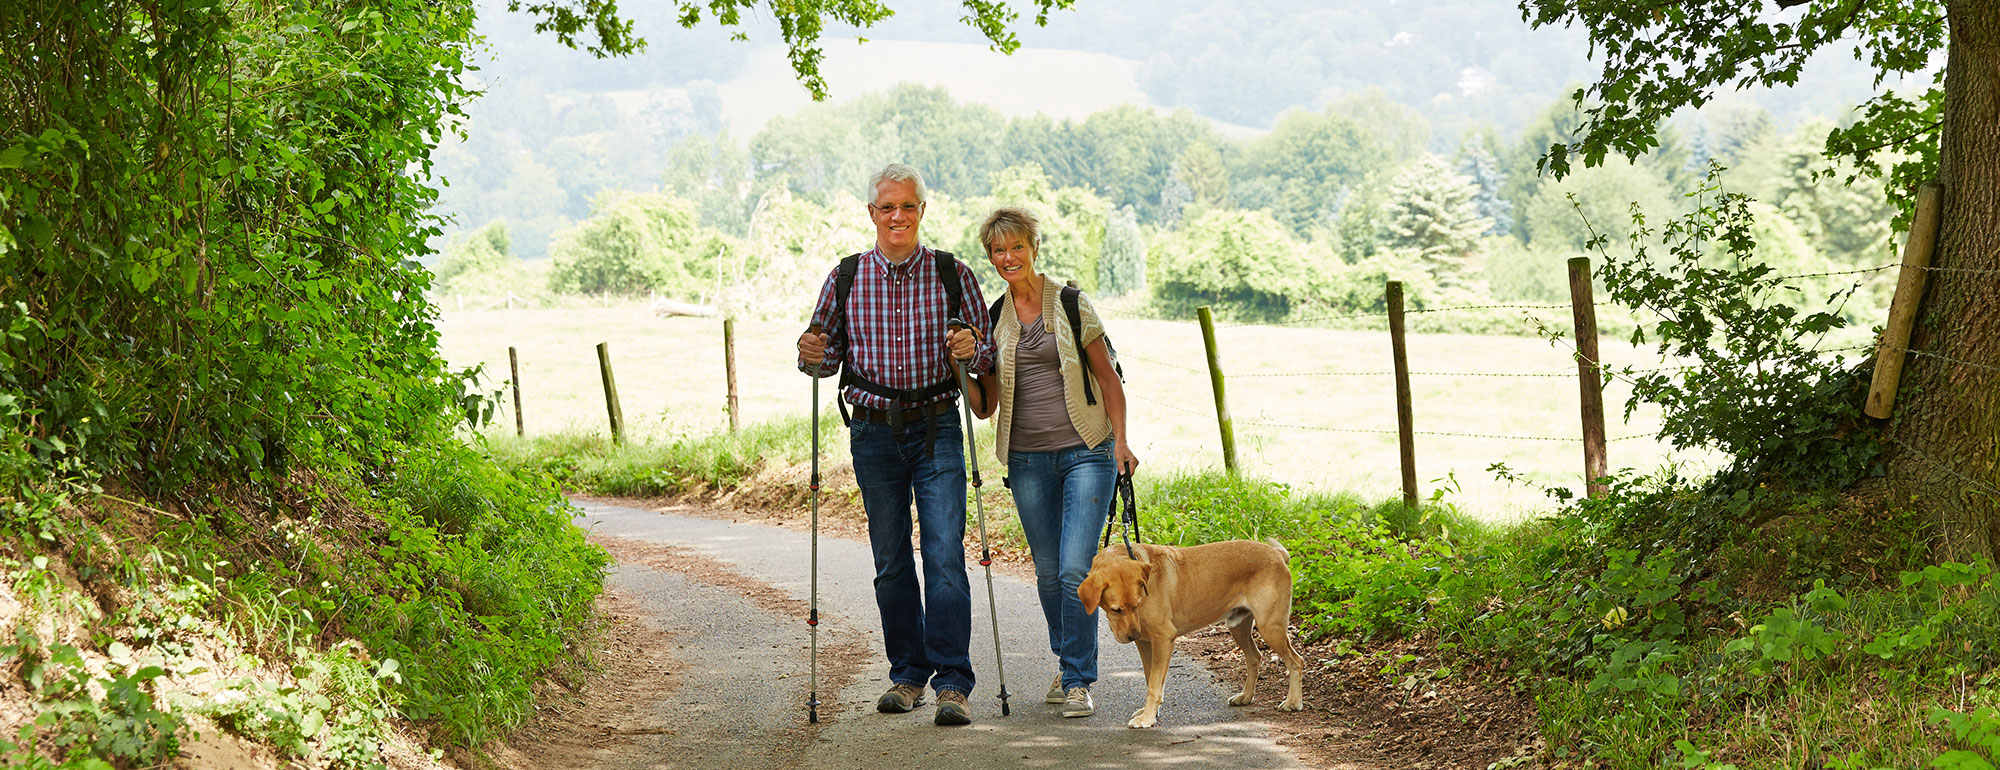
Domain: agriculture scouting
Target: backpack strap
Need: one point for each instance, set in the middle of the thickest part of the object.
(836, 320)
(947, 272)
(1075, 315)
(843, 282)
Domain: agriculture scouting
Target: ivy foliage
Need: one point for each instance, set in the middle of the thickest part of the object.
(211, 216)
(209, 219)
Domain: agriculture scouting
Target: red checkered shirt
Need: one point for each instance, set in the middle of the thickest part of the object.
(895, 326)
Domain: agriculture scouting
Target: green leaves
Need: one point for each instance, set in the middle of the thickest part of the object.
(1786, 637)
(230, 294)
(1928, 587)
(1757, 387)
(799, 23)
(1979, 729)
(1661, 58)
(123, 723)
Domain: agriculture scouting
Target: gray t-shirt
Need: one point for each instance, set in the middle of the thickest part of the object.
(1041, 416)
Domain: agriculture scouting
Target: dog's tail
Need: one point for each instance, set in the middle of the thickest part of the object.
(1273, 542)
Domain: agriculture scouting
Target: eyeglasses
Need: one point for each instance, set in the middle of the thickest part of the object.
(908, 209)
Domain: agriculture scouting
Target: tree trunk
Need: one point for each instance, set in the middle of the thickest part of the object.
(1943, 448)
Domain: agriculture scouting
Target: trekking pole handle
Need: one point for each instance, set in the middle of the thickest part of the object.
(955, 323)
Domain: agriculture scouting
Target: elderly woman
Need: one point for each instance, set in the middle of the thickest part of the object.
(1063, 453)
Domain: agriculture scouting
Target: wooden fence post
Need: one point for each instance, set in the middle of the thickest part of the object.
(1589, 375)
(1405, 419)
(514, 379)
(729, 366)
(611, 393)
(1215, 382)
(1889, 353)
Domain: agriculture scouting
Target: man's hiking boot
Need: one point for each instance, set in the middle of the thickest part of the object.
(951, 709)
(1056, 693)
(900, 698)
(1077, 703)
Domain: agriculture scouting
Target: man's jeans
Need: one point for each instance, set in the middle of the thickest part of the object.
(927, 630)
(1061, 498)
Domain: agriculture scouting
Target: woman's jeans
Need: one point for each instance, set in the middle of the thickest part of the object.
(926, 630)
(1061, 497)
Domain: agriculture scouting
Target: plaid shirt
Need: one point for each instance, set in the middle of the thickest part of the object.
(895, 326)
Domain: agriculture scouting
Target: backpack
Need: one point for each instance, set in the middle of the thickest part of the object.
(1074, 313)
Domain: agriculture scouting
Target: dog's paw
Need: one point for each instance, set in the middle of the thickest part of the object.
(1141, 720)
(1241, 699)
(1293, 704)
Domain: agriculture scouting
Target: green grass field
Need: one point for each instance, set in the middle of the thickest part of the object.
(671, 384)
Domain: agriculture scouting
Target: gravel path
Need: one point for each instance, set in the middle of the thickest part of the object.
(727, 603)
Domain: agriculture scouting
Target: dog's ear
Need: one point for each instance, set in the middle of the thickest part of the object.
(1091, 590)
(1145, 575)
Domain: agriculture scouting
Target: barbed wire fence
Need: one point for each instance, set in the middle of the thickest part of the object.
(1392, 320)
(723, 345)
(1592, 373)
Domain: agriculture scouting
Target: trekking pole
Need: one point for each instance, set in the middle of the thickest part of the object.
(985, 553)
(812, 620)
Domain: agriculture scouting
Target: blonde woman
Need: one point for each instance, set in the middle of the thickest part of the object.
(1063, 453)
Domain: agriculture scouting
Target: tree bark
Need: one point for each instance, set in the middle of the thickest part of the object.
(1943, 445)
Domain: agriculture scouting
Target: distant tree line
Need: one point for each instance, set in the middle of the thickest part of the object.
(1309, 217)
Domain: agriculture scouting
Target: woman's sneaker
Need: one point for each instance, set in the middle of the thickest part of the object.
(1056, 694)
(1077, 703)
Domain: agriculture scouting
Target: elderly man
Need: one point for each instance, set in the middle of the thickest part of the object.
(880, 322)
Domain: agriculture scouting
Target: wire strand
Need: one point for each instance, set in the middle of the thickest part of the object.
(1379, 431)
(1966, 270)
(1877, 268)
(1378, 374)
(1385, 314)
(1942, 357)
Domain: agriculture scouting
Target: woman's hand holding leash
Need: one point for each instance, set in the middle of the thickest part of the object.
(1127, 462)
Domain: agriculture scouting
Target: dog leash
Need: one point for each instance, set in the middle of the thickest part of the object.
(1122, 492)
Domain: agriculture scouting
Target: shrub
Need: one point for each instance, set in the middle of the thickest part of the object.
(483, 252)
(637, 244)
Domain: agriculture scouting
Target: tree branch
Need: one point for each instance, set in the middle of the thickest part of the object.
(1925, 129)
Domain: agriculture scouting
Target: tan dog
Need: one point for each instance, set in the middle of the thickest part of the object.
(1167, 592)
